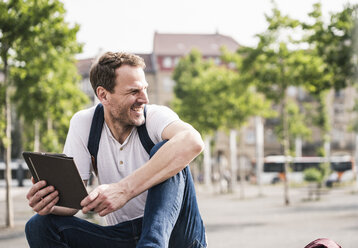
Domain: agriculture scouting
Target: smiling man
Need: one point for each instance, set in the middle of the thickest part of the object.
(147, 202)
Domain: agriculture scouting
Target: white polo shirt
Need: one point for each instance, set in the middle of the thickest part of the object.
(114, 160)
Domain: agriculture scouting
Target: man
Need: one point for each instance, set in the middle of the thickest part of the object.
(164, 216)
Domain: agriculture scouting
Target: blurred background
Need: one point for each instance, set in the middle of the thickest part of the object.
(270, 85)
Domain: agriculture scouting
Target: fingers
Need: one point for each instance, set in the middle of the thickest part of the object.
(91, 197)
(44, 203)
(39, 195)
(36, 187)
(49, 207)
(42, 199)
(103, 207)
(104, 199)
(99, 209)
(104, 212)
(89, 202)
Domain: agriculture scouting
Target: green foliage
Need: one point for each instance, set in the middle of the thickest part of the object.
(297, 124)
(317, 175)
(312, 175)
(40, 47)
(354, 124)
(273, 65)
(193, 94)
(322, 117)
(2, 114)
(334, 44)
(277, 63)
(213, 97)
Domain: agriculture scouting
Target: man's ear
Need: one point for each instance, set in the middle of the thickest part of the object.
(102, 94)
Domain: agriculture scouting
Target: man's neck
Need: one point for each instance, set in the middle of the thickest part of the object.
(119, 131)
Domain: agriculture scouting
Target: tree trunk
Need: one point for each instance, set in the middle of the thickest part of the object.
(7, 151)
(298, 147)
(259, 151)
(286, 149)
(233, 160)
(242, 176)
(49, 124)
(356, 162)
(36, 136)
(327, 148)
(222, 167)
(207, 162)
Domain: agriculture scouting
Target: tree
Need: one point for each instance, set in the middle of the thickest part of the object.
(33, 35)
(334, 44)
(297, 124)
(198, 98)
(277, 63)
(213, 97)
(317, 176)
(244, 102)
(47, 88)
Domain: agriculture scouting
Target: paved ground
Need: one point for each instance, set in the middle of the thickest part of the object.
(252, 222)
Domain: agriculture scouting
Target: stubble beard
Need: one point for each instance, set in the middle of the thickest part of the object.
(124, 119)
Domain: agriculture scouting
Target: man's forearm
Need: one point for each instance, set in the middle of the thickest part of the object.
(171, 158)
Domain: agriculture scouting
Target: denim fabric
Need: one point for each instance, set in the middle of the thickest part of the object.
(171, 219)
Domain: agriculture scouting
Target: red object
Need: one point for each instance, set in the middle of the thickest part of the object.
(323, 243)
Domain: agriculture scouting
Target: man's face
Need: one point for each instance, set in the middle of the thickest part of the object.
(126, 103)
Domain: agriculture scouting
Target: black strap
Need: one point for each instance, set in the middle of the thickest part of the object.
(147, 143)
(96, 131)
(95, 135)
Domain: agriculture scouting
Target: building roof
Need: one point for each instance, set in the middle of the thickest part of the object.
(84, 65)
(148, 61)
(180, 44)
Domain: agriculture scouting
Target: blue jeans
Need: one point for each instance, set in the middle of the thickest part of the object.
(171, 219)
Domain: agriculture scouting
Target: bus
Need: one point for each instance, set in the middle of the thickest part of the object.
(338, 164)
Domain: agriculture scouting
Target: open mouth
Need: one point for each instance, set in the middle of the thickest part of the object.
(138, 109)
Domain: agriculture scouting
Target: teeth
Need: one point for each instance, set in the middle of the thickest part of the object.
(138, 109)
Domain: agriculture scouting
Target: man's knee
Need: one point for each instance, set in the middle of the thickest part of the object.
(36, 225)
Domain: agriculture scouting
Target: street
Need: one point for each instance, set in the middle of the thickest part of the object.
(251, 222)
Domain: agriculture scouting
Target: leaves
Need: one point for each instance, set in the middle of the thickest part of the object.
(214, 97)
(39, 47)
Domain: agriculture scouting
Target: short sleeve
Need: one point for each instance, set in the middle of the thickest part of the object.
(158, 118)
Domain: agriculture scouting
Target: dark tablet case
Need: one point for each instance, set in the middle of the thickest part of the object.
(61, 172)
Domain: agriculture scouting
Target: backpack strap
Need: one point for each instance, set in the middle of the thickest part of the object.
(95, 135)
(147, 143)
(96, 131)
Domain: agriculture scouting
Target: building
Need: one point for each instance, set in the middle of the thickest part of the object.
(169, 48)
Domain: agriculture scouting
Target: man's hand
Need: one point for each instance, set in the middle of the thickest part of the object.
(42, 199)
(105, 199)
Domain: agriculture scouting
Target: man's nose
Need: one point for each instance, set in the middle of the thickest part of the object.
(143, 98)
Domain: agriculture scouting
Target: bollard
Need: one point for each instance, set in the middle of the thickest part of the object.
(20, 175)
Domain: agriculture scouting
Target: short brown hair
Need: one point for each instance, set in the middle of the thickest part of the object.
(103, 71)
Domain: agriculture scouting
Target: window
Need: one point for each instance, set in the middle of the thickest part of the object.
(217, 60)
(168, 84)
(250, 137)
(339, 94)
(270, 136)
(167, 62)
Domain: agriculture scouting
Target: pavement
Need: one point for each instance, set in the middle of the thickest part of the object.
(251, 221)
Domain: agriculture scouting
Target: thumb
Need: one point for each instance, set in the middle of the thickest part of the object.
(91, 197)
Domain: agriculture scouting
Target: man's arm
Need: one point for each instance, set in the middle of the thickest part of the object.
(184, 145)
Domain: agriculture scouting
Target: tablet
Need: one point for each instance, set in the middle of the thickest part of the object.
(61, 172)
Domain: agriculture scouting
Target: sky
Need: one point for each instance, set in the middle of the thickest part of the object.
(129, 25)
